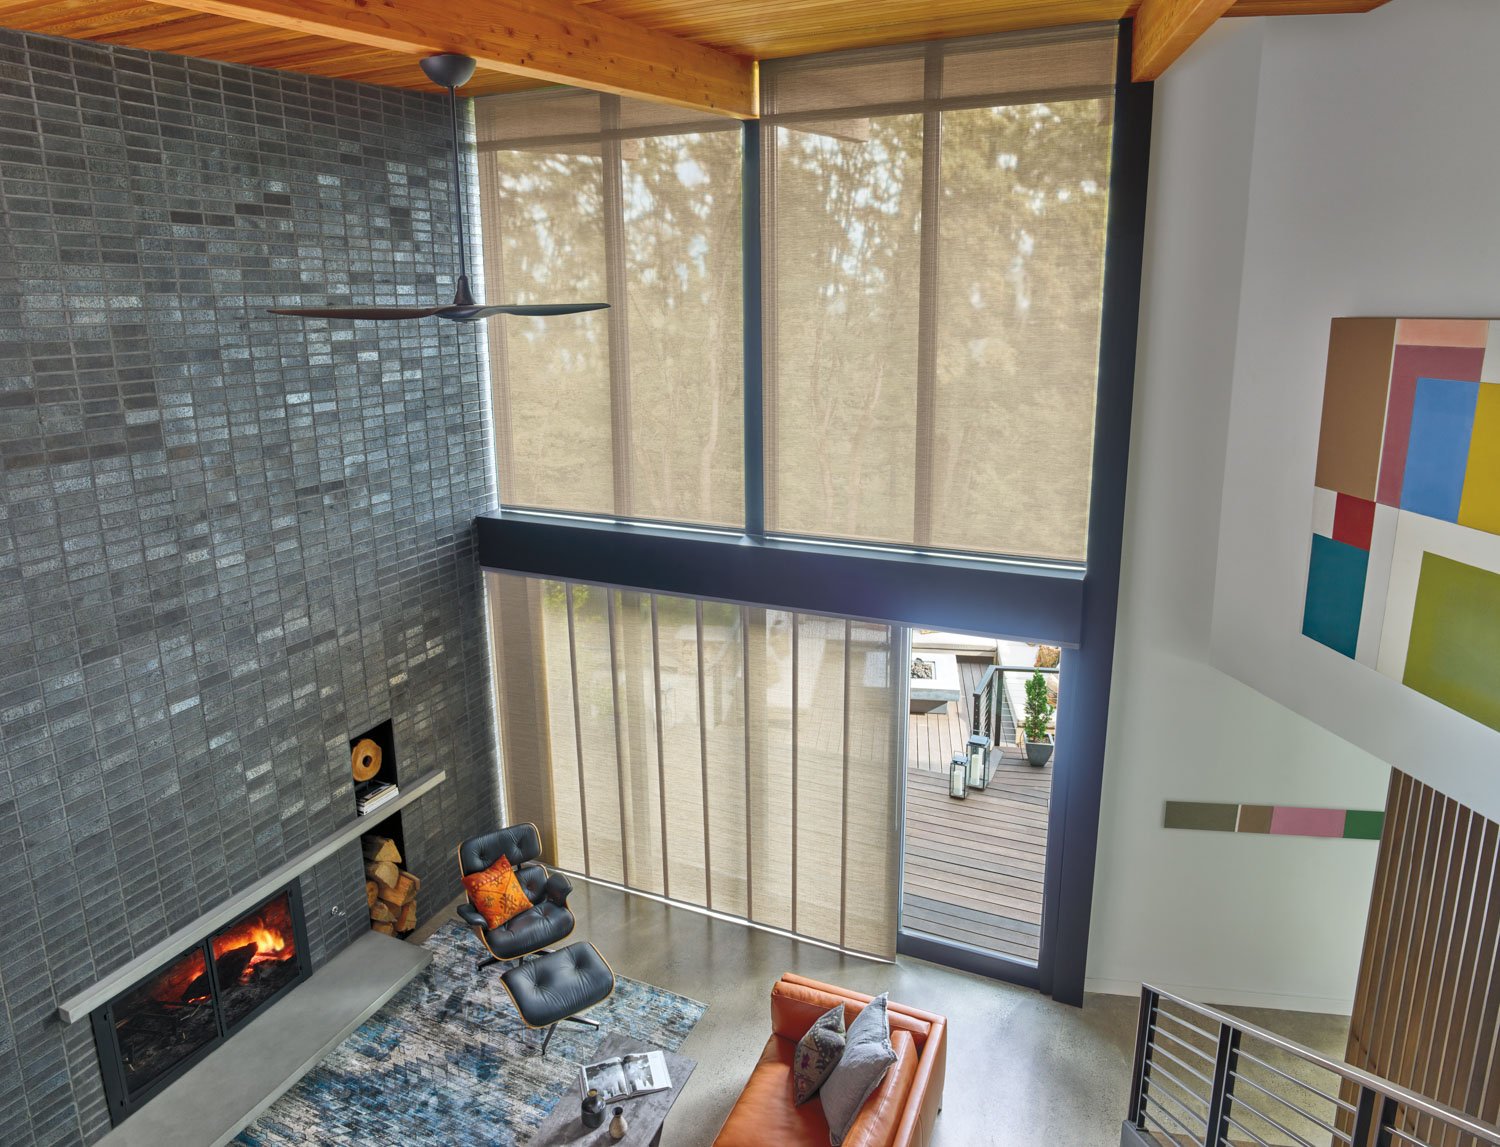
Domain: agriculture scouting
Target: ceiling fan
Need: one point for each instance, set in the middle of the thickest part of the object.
(450, 71)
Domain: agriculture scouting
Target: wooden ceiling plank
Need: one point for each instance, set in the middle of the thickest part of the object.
(551, 40)
(1164, 29)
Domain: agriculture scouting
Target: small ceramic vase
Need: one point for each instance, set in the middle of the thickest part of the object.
(593, 1109)
(618, 1126)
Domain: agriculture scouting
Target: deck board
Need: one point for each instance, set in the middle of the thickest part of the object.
(973, 868)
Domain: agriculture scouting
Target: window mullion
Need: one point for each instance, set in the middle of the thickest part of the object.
(751, 246)
(619, 324)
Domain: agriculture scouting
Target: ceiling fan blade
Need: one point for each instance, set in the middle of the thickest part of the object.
(361, 312)
(470, 313)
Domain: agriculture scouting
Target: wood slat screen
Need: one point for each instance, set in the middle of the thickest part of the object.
(1428, 998)
(740, 759)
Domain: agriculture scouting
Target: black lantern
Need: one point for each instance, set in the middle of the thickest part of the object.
(979, 761)
(958, 777)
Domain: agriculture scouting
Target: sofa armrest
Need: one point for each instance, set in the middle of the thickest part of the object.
(558, 887)
(926, 1097)
(472, 915)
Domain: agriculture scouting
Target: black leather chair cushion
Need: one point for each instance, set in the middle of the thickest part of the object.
(541, 927)
(556, 985)
(519, 843)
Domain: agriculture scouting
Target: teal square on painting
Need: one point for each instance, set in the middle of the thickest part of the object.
(1335, 594)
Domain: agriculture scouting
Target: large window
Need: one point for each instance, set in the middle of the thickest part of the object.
(932, 260)
(636, 411)
(933, 221)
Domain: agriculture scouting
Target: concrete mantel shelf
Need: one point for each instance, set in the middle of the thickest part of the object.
(78, 1006)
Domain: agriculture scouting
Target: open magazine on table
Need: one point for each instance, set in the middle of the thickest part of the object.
(626, 1076)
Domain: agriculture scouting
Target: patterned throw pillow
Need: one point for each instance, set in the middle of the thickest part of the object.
(497, 893)
(817, 1053)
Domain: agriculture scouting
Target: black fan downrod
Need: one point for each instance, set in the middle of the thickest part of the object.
(452, 71)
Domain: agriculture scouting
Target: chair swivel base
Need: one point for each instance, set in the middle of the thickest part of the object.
(556, 986)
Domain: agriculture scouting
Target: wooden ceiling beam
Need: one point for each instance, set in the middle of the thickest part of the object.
(551, 40)
(1164, 29)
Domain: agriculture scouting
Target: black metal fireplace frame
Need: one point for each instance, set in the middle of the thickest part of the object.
(121, 1100)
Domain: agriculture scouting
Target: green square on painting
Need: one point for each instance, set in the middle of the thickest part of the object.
(1201, 815)
(1454, 654)
(1363, 824)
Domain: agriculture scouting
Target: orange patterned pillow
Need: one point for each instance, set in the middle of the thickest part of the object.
(497, 893)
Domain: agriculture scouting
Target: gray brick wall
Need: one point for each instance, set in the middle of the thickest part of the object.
(228, 541)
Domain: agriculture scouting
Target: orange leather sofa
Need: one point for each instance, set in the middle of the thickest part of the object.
(899, 1113)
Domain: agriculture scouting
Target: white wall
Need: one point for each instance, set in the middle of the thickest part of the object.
(1231, 918)
(1375, 190)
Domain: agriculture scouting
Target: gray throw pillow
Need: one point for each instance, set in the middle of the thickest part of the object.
(868, 1054)
(817, 1053)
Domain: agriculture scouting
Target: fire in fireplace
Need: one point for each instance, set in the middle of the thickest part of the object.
(152, 1033)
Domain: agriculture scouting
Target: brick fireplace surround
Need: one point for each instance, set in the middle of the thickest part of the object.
(227, 541)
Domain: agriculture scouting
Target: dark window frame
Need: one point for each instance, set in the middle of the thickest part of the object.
(1055, 603)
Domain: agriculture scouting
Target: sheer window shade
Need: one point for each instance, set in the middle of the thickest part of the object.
(636, 411)
(933, 236)
(736, 758)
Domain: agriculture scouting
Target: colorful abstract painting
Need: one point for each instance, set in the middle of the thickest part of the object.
(1275, 820)
(1403, 574)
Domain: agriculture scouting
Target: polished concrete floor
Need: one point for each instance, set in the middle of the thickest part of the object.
(1023, 1071)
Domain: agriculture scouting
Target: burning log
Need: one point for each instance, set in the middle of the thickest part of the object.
(380, 848)
(232, 964)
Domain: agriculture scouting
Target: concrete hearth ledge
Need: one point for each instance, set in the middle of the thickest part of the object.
(214, 1101)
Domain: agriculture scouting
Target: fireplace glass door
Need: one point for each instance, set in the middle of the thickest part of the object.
(152, 1033)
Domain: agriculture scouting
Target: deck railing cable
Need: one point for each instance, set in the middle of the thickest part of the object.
(1251, 1100)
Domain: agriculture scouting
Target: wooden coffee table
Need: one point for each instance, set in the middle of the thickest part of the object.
(646, 1115)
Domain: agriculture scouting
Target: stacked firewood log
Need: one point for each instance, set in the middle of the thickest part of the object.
(389, 888)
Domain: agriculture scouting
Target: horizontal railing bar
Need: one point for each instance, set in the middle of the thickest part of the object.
(1240, 1101)
(1159, 1050)
(1281, 1099)
(1299, 1082)
(1402, 1095)
(1157, 1071)
(1186, 1130)
(1212, 1037)
(1184, 1043)
(1409, 1138)
(1233, 1122)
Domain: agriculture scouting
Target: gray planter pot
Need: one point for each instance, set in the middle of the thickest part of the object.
(1039, 752)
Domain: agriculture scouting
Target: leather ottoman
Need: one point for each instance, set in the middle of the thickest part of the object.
(556, 986)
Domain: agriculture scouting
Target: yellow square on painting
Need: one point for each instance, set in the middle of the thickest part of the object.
(1479, 508)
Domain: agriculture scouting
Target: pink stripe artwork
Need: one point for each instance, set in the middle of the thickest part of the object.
(1287, 821)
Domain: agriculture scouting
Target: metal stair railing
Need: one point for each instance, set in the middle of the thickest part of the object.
(1207, 1078)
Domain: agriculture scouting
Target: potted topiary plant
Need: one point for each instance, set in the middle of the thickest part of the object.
(1034, 727)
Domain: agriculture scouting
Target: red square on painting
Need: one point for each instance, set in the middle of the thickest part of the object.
(1353, 521)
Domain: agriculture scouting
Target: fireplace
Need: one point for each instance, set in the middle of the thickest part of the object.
(154, 1031)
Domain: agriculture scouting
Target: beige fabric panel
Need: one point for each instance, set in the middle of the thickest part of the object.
(1016, 133)
(727, 756)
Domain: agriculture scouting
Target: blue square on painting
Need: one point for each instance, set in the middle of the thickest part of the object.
(1335, 594)
(1437, 450)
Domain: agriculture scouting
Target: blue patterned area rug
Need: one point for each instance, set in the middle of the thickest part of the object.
(448, 1061)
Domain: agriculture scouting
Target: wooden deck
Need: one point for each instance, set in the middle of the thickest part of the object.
(973, 870)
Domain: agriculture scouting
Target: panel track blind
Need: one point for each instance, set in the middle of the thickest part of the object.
(636, 411)
(736, 758)
(933, 238)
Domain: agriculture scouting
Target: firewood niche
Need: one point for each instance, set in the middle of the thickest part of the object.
(390, 890)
